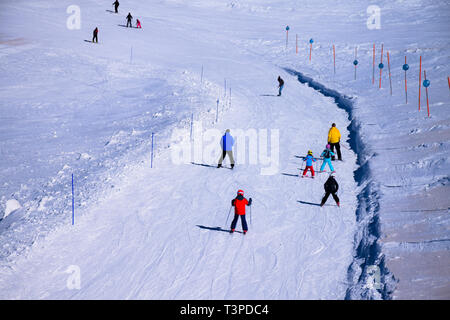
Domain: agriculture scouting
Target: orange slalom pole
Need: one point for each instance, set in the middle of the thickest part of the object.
(389, 70)
(420, 78)
(310, 49)
(426, 91)
(381, 70)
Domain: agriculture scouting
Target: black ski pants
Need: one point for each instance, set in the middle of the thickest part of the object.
(327, 194)
(234, 222)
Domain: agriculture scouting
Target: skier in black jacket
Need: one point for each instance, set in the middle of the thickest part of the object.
(129, 19)
(116, 6)
(95, 35)
(331, 187)
(280, 85)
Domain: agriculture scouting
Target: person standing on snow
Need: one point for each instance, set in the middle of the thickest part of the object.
(227, 143)
(116, 6)
(334, 137)
(309, 164)
(280, 85)
(327, 154)
(129, 19)
(138, 24)
(239, 204)
(331, 187)
(94, 37)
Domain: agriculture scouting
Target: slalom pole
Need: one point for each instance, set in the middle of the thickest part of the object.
(355, 62)
(229, 211)
(296, 43)
(420, 77)
(373, 72)
(406, 67)
(73, 204)
(381, 63)
(448, 80)
(151, 164)
(217, 110)
(201, 76)
(426, 84)
(389, 70)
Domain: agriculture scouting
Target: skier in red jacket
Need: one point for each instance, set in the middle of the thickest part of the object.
(239, 204)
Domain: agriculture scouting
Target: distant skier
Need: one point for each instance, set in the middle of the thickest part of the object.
(138, 24)
(309, 164)
(334, 137)
(280, 85)
(129, 20)
(331, 187)
(95, 35)
(116, 6)
(227, 143)
(327, 154)
(239, 204)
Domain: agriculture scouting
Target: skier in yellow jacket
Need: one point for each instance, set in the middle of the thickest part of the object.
(334, 137)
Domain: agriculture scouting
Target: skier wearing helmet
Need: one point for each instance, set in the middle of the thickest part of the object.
(327, 154)
(309, 164)
(239, 204)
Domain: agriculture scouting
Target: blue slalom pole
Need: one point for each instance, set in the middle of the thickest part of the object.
(73, 204)
(151, 164)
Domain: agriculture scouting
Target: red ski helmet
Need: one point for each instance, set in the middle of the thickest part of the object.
(241, 192)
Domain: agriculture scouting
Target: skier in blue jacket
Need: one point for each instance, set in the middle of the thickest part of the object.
(327, 154)
(309, 164)
(226, 143)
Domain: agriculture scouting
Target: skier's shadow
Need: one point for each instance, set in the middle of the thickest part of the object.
(122, 25)
(290, 174)
(268, 95)
(110, 11)
(310, 203)
(216, 229)
(203, 165)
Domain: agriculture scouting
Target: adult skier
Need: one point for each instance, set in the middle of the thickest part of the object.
(239, 204)
(327, 154)
(129, 19)
(138, 24)
(226, 143)
(331, 187)
(116, 6)
(334, 137)
(309, 164)
(95, 35)
(280, 85)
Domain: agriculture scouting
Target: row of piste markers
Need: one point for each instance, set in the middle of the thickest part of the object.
(425, 83)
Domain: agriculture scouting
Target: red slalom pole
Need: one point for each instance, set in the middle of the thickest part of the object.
(296, 43)
(373, 73)
(310, 49)
(426, 91)
(448, 80)
(420, 78)
(381, 69)
(389, 70)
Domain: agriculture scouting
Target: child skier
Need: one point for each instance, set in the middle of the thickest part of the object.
(309, 164)
(138, 23)
(239, 204)
(327, 154)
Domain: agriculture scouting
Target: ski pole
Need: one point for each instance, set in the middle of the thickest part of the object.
(229, 211)
(250, 214)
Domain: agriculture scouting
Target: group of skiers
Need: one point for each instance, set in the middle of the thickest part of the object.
(129, 22)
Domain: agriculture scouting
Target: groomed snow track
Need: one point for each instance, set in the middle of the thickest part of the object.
(368, 276)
